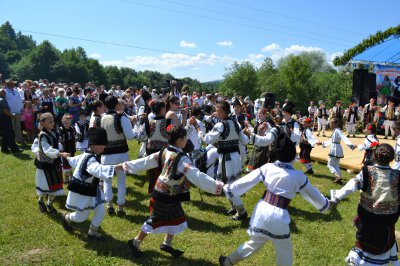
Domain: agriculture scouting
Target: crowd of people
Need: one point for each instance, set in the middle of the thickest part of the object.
(201, 139)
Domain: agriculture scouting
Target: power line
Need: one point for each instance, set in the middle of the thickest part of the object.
(289, 17)
(251, 19)
(393, 56)
(228, 21)
(126, 45)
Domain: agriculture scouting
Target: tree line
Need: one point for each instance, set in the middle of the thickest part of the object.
(299, 78)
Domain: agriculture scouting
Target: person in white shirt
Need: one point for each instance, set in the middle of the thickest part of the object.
(270, 219)
(15, 103)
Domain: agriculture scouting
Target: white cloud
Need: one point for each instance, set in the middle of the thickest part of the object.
(225, 43)
(271, 47)
(186, 44)
(276, 52)
(170, 61)
(95, 56)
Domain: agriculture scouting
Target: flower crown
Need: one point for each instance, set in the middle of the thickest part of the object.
(169, 128)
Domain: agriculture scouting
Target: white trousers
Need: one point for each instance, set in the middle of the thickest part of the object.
(81, 216)
(323, 127)
(283, 249)
(333, 165)
(389, 124)
(121, 186)
(236, 200)
(351, 128)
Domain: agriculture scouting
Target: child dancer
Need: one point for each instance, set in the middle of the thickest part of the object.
(370, 143)
(98, 110)
(377, 210)
(270, 220)
(81, 128)
(336, 151)
(259, 155)
(48, 173)
(84, 191)
(67, 139)
(172, 187)
(29, 120)
(227, 134)
(307, 142)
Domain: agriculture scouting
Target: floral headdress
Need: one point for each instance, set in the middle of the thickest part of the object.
(169, 128)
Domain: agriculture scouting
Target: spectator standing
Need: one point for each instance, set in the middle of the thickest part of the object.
(6, 117)
(15, 105)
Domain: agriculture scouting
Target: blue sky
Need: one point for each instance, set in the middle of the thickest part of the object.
(199, 39)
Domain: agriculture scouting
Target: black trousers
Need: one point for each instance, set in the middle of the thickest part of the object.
(8, 136)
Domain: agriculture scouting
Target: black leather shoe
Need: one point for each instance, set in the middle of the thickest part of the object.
(239, 216)
(231, 211)
(67, 226)
(42, 206)
(309, 171)
(174, 252)
(137, 253)
(221, 260)
(52, 210)
(110, 210)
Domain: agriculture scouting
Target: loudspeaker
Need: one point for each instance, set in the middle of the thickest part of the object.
(369, 88)
(364, 86)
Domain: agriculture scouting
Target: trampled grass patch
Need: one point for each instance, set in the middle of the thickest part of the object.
(30, 237)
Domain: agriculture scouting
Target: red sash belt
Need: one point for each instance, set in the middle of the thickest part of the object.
(276, 200)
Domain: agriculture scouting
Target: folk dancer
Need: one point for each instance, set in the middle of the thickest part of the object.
(172, 188)
(119, 130)
(322, 118)
(336, 150)
(389, 111)
(270, 219)
(67, 140)
(307, 143)
(48, 164)
(351, 116)
(369, 144)
(227, 136)
(84, 191)
(377, 211)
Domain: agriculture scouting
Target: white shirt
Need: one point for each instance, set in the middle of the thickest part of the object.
(14, 101)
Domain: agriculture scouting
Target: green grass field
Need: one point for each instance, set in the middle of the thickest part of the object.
(30, 237)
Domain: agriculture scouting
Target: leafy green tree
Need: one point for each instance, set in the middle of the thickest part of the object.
(240, 79)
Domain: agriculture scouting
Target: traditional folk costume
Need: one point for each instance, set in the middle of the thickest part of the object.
(369, 114)
(84, 190)
(172, 187)
(336, 152)
(81, 129)
(48, 173)
(270, 219)
(396, 164)
(95, 120)
(337, 112)
(312, 111)
(368, 146)
(227, 136)
(322, 120)
(390, 118)
(307, 143)
(378, 212)
(67, 140)
(119, 129)
(351, 119)
(259, 155)
(154, 134)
